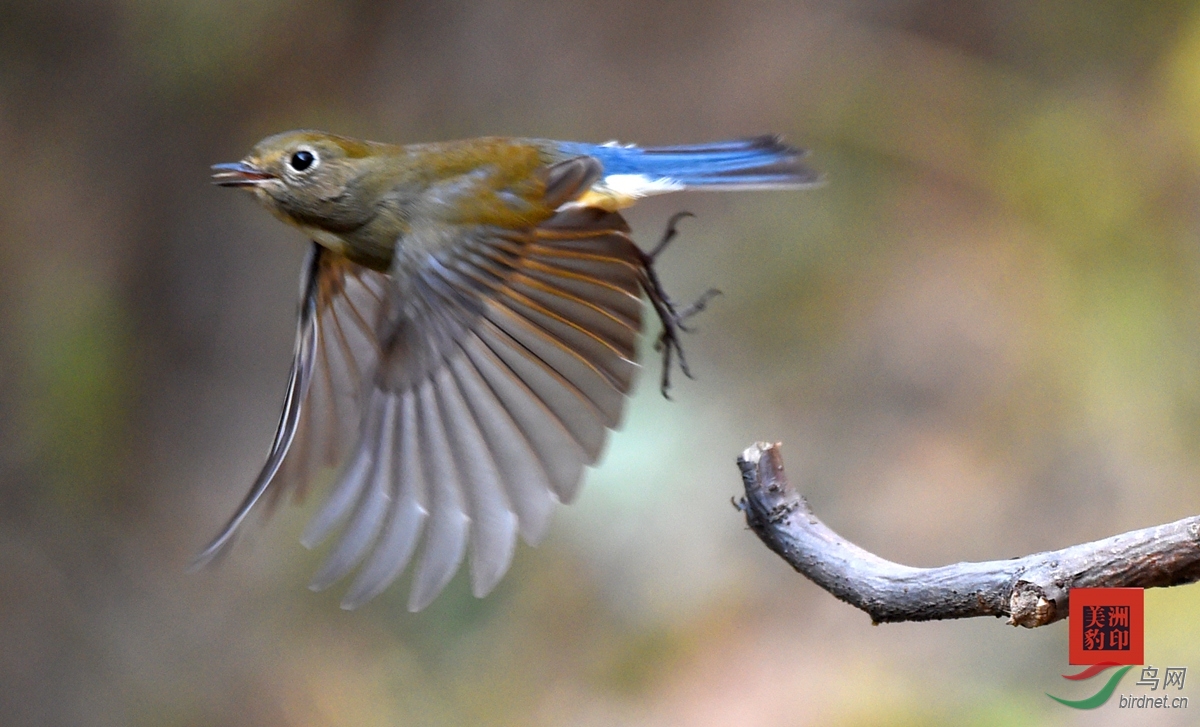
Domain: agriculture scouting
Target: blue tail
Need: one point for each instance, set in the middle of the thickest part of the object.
(763, 162)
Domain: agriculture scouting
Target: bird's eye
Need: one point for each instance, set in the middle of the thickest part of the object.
(302, 160)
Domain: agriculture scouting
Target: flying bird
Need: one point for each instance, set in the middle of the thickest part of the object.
(469, 314)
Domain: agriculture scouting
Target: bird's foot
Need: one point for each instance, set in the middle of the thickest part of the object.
(673, 318)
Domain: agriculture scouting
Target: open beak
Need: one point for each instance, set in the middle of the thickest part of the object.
(238, 174)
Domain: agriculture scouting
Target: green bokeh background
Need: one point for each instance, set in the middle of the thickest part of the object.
(980, 339)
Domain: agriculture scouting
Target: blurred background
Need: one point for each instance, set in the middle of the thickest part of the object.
(980, 339)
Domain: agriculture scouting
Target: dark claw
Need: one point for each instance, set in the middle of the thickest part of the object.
(668, 234)
(672, 319)
(695, 307)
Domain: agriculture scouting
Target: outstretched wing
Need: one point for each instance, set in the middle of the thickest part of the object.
(506, 358)
(492, 370)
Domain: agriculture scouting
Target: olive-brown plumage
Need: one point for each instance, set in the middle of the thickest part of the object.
(468, 328)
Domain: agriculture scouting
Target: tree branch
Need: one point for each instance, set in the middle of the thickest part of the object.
(1032, 591)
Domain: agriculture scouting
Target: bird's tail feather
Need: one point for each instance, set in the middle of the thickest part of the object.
(763, 162)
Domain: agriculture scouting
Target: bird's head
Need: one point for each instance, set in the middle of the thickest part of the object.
(309, 178)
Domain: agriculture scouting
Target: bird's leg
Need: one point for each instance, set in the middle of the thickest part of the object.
(672, 318)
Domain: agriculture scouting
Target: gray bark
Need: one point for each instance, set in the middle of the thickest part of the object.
(1031, 591)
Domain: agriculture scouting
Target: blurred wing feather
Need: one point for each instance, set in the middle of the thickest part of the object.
(335, 344)
(517, 351)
